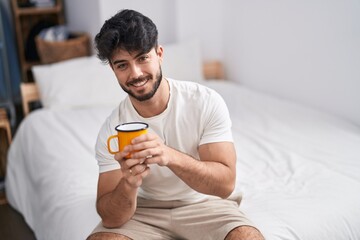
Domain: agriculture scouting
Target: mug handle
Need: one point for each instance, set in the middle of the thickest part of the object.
(108, 144)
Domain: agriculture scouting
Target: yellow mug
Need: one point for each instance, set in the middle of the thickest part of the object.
(125, 133)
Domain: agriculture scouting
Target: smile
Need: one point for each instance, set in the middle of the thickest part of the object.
(139, 82)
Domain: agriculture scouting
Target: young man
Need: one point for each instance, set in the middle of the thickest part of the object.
(177, 185)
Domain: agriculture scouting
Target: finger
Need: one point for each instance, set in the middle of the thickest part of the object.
(157, 150)
(137, 169)
(118, 156)
(121, 155)
(150, 143)
(143, 138)
(145, 172)
(151, 160)
(143, 150)
(136, 181)
(129, 163)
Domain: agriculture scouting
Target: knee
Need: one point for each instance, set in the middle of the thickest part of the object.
(245, 233)
(107, 236)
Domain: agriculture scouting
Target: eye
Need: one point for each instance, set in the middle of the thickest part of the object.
(121, 66)
(143, 58)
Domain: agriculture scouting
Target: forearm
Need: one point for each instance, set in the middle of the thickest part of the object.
(208, 177)
(118, 206)
(213, 174)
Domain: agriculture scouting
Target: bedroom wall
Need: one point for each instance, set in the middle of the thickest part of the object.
(177, 20)
(307, 51)
(89, 19)
(162, 12)
(202, 19)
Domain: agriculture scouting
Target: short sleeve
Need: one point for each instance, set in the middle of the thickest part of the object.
(217, 122)
(105, 159)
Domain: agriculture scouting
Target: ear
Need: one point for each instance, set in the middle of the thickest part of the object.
(159, 53)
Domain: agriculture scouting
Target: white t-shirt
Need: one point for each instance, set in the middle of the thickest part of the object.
(195, 115)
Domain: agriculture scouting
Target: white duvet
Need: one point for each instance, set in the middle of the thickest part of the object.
(298, 169)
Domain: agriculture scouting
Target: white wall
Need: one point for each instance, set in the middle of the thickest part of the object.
(174, 19)
(92, 17)
(161, 12)
(202, 19)
(84, 19)
(307, 51)
(82, 15)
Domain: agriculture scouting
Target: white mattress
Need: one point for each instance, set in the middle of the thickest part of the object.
(298, 169)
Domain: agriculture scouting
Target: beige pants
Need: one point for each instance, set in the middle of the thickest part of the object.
(209, 219)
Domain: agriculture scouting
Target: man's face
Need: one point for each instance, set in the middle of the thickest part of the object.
(139, 74)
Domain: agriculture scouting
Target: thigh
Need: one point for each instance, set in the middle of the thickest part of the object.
(212, 219)
(143, 225)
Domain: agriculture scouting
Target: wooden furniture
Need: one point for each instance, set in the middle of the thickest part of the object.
(5, 140)
(29, 93)
(4, 124)
(26, 20)
(213, 70)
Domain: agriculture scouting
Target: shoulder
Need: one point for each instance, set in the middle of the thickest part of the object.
(109, 122)
(192, 90)
(113, 119)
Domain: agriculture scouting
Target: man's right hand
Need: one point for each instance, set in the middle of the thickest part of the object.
(133, 170)
(117, 190)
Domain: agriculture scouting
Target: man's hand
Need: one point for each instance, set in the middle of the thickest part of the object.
(149, 149)
(214, 173)
(134, 170)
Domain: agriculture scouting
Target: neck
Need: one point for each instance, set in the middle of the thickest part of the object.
(157, 104)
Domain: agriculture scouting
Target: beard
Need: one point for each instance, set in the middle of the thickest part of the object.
(149, 95)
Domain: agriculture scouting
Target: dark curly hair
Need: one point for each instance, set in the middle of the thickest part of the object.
(128, 30)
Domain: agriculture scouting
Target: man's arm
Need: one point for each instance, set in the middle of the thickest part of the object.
(117, 193)
(213, 174)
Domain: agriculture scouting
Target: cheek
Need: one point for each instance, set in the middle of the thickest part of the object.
(121, 76)
(155, 66)
(120, 79)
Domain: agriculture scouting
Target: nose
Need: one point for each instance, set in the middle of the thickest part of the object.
(135, 71)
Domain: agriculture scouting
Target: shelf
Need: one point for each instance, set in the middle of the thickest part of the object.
(5, 124)
(29, 64)
(5, 140)
(26, 21)
(38, 10)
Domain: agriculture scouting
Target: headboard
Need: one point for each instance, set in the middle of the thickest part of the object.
(30, 92)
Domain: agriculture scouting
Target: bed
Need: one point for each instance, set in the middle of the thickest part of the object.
(298, 168)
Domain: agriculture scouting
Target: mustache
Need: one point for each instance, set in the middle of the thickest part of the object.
(139, 79)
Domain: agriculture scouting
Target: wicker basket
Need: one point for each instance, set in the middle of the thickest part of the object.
(76, 46)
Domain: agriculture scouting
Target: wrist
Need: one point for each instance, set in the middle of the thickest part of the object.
(125, 189)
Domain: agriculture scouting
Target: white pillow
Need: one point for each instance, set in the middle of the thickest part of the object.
(77, 82)
(183, 61)
(85, 81)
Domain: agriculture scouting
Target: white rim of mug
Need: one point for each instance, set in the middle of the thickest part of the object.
(142, 126)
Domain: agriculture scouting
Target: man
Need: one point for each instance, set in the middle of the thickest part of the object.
(177, 182)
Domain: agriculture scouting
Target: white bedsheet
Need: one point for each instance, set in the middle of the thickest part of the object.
(52, 172)
(298, 169)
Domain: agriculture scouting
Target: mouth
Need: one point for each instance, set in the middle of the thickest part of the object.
(139, 82)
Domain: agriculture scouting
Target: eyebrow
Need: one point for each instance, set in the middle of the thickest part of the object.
(136, 56)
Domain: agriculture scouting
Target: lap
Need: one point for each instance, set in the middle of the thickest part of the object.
(209, 219)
